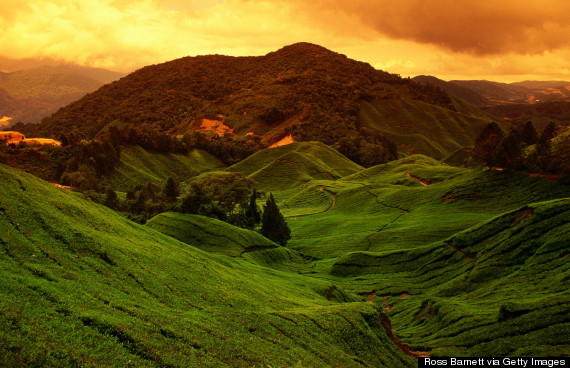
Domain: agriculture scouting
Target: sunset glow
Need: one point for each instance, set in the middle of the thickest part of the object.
(503, 41)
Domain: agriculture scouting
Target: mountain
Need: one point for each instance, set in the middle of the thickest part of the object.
(464, 93)
(303, 89)
(31, 94)
(518, 93)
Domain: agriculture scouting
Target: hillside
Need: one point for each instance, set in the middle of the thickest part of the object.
(408, 258)
(496, 92)
(302, 89)
(138, 166)
(539, 113)
(29, 95)
(292, 165)
(122, 293)
(464, 93)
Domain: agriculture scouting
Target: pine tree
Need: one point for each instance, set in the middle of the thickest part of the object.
(273, 225)
(528, 134)
(253, 217)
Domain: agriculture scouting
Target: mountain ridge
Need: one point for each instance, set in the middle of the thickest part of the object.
(303, 90)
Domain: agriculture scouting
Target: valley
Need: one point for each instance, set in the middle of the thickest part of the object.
(473, 264)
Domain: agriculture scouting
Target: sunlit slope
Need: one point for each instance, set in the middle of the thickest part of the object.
(81, 285)
(138, 166)
(500, 288)
(387, 207)
(288, 166)
(418, 127)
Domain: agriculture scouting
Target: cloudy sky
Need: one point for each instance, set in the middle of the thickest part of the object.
(503, 40)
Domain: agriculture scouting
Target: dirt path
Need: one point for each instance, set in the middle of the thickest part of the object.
(423, 182)
(333, 196)
(405, 348)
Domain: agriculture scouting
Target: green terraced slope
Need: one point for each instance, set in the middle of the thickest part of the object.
(82, 286)
(289, 166)
(418, 127)
(138, 166)
(386, 208)
(215, 236)
(497, 289)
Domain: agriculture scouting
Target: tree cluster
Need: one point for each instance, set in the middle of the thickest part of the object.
(521, 149)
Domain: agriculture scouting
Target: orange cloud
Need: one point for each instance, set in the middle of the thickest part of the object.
(482, 27)
(440, 37)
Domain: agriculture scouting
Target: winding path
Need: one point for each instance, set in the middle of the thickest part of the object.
(333, 196)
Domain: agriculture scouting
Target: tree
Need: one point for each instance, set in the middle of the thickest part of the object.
(171, 190)
(252, 211)
(508, 152)
(273, 225)
(486, 143)
(111, 199)
(544, 146)
(528, 134)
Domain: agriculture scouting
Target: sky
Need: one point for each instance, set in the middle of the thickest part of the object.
(505, 40)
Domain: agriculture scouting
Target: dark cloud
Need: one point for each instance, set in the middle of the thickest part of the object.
(482, 27)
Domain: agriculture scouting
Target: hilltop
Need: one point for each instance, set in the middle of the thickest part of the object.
(303, 89)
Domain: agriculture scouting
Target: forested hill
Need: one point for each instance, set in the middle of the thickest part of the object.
(301, 82)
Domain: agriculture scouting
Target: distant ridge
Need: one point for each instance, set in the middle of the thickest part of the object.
(31, 94)
(541, 84)
(464, 93)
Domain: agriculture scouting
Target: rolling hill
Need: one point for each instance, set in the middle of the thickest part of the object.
(124, 294)
(464, 93)
(404, 259)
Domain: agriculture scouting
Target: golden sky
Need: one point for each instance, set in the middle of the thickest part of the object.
(504, 40)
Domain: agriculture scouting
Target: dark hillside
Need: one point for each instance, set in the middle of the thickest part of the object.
(302, 89)
(464, 93)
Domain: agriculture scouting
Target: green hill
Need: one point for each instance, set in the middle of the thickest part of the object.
(401, 259)
(292, 165)
(497, 289)
(418, 127)
(138, 166)
(81, 285)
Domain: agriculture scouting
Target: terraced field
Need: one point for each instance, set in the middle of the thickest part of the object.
(452, 262)
(380, 269)
(82, 286)
(138, 166)
(419, 127)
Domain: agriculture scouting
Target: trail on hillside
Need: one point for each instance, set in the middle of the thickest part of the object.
(333, 196)
(405, 348)
(423, 182)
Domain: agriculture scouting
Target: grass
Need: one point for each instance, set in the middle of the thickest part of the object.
(419, 127)
(117, 293)
(138, 166)
(474, 264)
